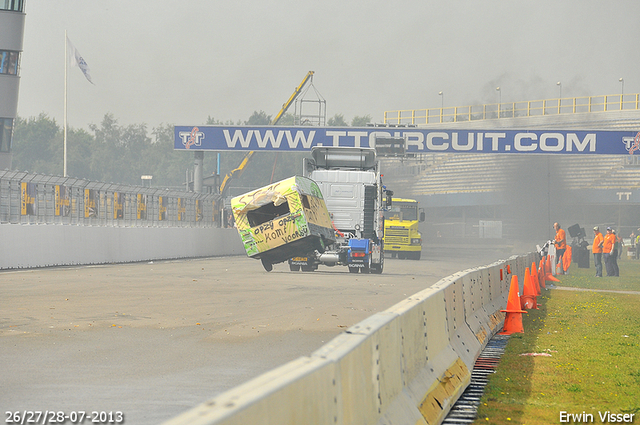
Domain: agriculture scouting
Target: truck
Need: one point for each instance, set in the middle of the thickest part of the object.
(352, 188)
(401, 235)
(282, 219)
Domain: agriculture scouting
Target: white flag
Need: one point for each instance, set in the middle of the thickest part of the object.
(76, 60)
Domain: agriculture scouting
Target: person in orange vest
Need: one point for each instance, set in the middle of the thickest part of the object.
(607, 250)
(596, 248)
(561, 245)
(614, 253)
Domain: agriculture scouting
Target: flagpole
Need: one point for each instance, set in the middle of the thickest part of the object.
(66, 60)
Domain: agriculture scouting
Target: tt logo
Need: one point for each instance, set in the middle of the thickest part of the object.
(632, 144)
(191, 138)
(621, 194)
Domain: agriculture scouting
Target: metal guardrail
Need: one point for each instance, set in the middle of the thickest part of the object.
(29, 198)
(570, 105)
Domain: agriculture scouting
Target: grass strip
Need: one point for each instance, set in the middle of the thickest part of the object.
(587, 352)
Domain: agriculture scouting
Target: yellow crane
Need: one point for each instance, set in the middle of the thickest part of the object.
(240, 168)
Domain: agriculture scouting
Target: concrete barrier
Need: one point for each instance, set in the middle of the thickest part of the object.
(32, 245)
(406, 365)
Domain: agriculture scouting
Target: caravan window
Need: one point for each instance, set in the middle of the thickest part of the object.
(305, 202)
(267, 213)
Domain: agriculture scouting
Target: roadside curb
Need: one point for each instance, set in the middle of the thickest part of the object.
(570, 288)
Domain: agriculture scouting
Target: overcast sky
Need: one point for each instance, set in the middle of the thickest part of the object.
(178, 62)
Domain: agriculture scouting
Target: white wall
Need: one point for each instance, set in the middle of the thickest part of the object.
(23, 246)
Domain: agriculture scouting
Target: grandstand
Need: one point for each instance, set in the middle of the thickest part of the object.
(527, 193)
(461, 173)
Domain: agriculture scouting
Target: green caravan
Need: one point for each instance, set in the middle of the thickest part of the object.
(283, 219)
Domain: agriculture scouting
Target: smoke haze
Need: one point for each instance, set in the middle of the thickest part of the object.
(173, 62)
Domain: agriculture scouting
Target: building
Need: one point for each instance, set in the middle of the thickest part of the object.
(12, 18)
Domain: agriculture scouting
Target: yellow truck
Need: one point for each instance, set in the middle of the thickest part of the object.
(401, 234)
(282, 220)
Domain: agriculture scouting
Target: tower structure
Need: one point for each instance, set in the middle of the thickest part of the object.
(12, 18)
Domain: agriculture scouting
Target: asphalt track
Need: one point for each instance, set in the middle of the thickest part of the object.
(154, 339)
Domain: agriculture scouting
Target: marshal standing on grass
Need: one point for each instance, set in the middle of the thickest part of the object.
(596, 248)
(607, 251)
(617, 247)
(561, 245)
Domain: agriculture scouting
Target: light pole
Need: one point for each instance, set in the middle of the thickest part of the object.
(622, 93)
(441, 94)
(559, 84)
(499, 99)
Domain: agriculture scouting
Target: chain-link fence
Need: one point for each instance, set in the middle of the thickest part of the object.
(39, 199)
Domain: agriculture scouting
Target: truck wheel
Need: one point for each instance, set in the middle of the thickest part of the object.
(353, 270)
(307, 268)
(267, 265)
(377, 268)
(364, 269)
(294, 267)
(416, 255)
(393, 255)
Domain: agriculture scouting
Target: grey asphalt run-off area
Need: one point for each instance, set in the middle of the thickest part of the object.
(154, 339)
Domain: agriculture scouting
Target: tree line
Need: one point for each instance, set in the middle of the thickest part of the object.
(121, 154)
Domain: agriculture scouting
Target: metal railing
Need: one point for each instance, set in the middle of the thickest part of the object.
(570, 105)
(29, 198)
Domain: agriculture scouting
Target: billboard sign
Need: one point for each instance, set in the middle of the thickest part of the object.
(28, 194)
(118, 205)
(91, 202)
(62, 200)
(142, 207)
(162, 210)
(417, 140)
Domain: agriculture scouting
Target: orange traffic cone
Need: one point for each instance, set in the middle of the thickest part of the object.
(548, 275)
(528, 298)
(551, 278)
(513, 319)
(547, 264)
(535, 280)
(541, 275)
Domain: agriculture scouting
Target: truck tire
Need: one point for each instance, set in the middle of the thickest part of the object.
(353, 269)
(267, 265)
(416, 255)
(307, 268)
(377, 268)
(294, 267)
